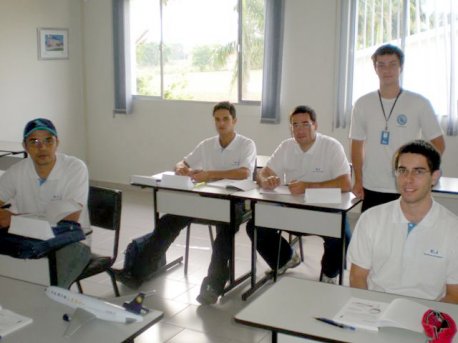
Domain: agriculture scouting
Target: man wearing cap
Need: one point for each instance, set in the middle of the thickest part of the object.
(45, 178)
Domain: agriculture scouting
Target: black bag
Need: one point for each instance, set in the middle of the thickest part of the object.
(137, 261)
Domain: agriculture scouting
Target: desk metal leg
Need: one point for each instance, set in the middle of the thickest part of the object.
(274, 336)
(233, 282)
(342, 247)
(169, 265)
(255, 285)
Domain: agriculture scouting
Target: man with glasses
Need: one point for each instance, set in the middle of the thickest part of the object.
(308, 160)
(47, 178)
(408, 246)
(381, 122)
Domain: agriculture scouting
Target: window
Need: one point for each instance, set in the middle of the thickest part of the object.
(202, 50)
(426, 30)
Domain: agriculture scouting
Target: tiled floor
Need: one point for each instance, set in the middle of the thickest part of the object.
(174, 294)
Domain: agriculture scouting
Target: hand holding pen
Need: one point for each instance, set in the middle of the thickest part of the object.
(270, 182)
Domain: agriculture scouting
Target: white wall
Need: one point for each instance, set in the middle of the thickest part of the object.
(29, 87)
(79, 90)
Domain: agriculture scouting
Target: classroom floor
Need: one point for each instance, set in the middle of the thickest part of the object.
(174, 294)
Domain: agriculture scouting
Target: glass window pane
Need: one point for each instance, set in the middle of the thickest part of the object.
(145, 28)
(252, 49)
(200, 49)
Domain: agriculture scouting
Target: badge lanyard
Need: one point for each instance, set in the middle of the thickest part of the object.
(385, 136)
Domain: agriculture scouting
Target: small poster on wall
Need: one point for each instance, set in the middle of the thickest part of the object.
(52, 44)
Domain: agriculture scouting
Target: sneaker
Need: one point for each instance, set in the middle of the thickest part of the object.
(127, 279)
(207, 296)
(332, 280)
(292, 263)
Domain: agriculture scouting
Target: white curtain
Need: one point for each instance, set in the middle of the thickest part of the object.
(425, 30)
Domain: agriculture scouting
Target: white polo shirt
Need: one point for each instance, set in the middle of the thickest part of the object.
(412, 115)
(417, 264)
(68, 181)
(210, 155)
(325, 160)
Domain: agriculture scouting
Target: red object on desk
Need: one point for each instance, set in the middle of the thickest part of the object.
(439, 326)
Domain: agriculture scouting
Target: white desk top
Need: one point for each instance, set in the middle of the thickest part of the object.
(11, 146)
(446, 185)
(348, 200)
(154, 181)
(290, 306)
(48, 326)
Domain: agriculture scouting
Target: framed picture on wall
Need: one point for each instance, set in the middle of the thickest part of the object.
(52, 43)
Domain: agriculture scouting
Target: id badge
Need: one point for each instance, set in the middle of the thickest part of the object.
(385, 138)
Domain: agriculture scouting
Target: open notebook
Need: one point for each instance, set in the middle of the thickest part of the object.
(241, 185)
(371, 315)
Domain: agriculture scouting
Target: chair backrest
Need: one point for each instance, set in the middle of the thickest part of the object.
(104, 205)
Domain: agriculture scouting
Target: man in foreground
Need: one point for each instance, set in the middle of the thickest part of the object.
(408, 246)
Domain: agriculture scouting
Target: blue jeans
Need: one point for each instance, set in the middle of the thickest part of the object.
(167, 230)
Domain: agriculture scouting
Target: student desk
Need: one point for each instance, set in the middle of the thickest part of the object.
(292, 213)
(10, 153)
(48, 326)
(201, 202)
(446, 193)
(11, 148)
(290, 305)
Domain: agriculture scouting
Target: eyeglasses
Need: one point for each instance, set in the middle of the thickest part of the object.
(35, 142)
(307, 125)
(415, 172)
(391, 65)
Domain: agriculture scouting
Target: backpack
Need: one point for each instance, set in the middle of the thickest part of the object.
(136, 261)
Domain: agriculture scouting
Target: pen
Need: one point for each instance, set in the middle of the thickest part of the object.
(331, 322)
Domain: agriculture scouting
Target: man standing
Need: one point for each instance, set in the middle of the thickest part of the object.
(381, 122)
(408, 246)
(45, 179)
(225, 156)
(308, 160)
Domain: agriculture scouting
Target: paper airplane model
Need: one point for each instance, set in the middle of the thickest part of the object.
(87, 308)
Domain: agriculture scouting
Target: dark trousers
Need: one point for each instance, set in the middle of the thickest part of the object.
(372, 198)
(167, 230)
(267, 246)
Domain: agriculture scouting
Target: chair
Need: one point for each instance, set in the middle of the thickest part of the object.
(104, 206)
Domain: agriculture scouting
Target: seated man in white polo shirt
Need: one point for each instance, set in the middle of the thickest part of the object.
(408, 246)
(308, 160)
(225, 156)
(46, 177)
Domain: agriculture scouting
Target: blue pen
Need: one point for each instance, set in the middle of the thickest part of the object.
(331, 322)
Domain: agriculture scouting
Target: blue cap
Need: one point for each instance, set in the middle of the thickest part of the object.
(39, 124)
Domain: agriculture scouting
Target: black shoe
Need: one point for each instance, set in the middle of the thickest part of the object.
(207, 296)
(127, 279)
